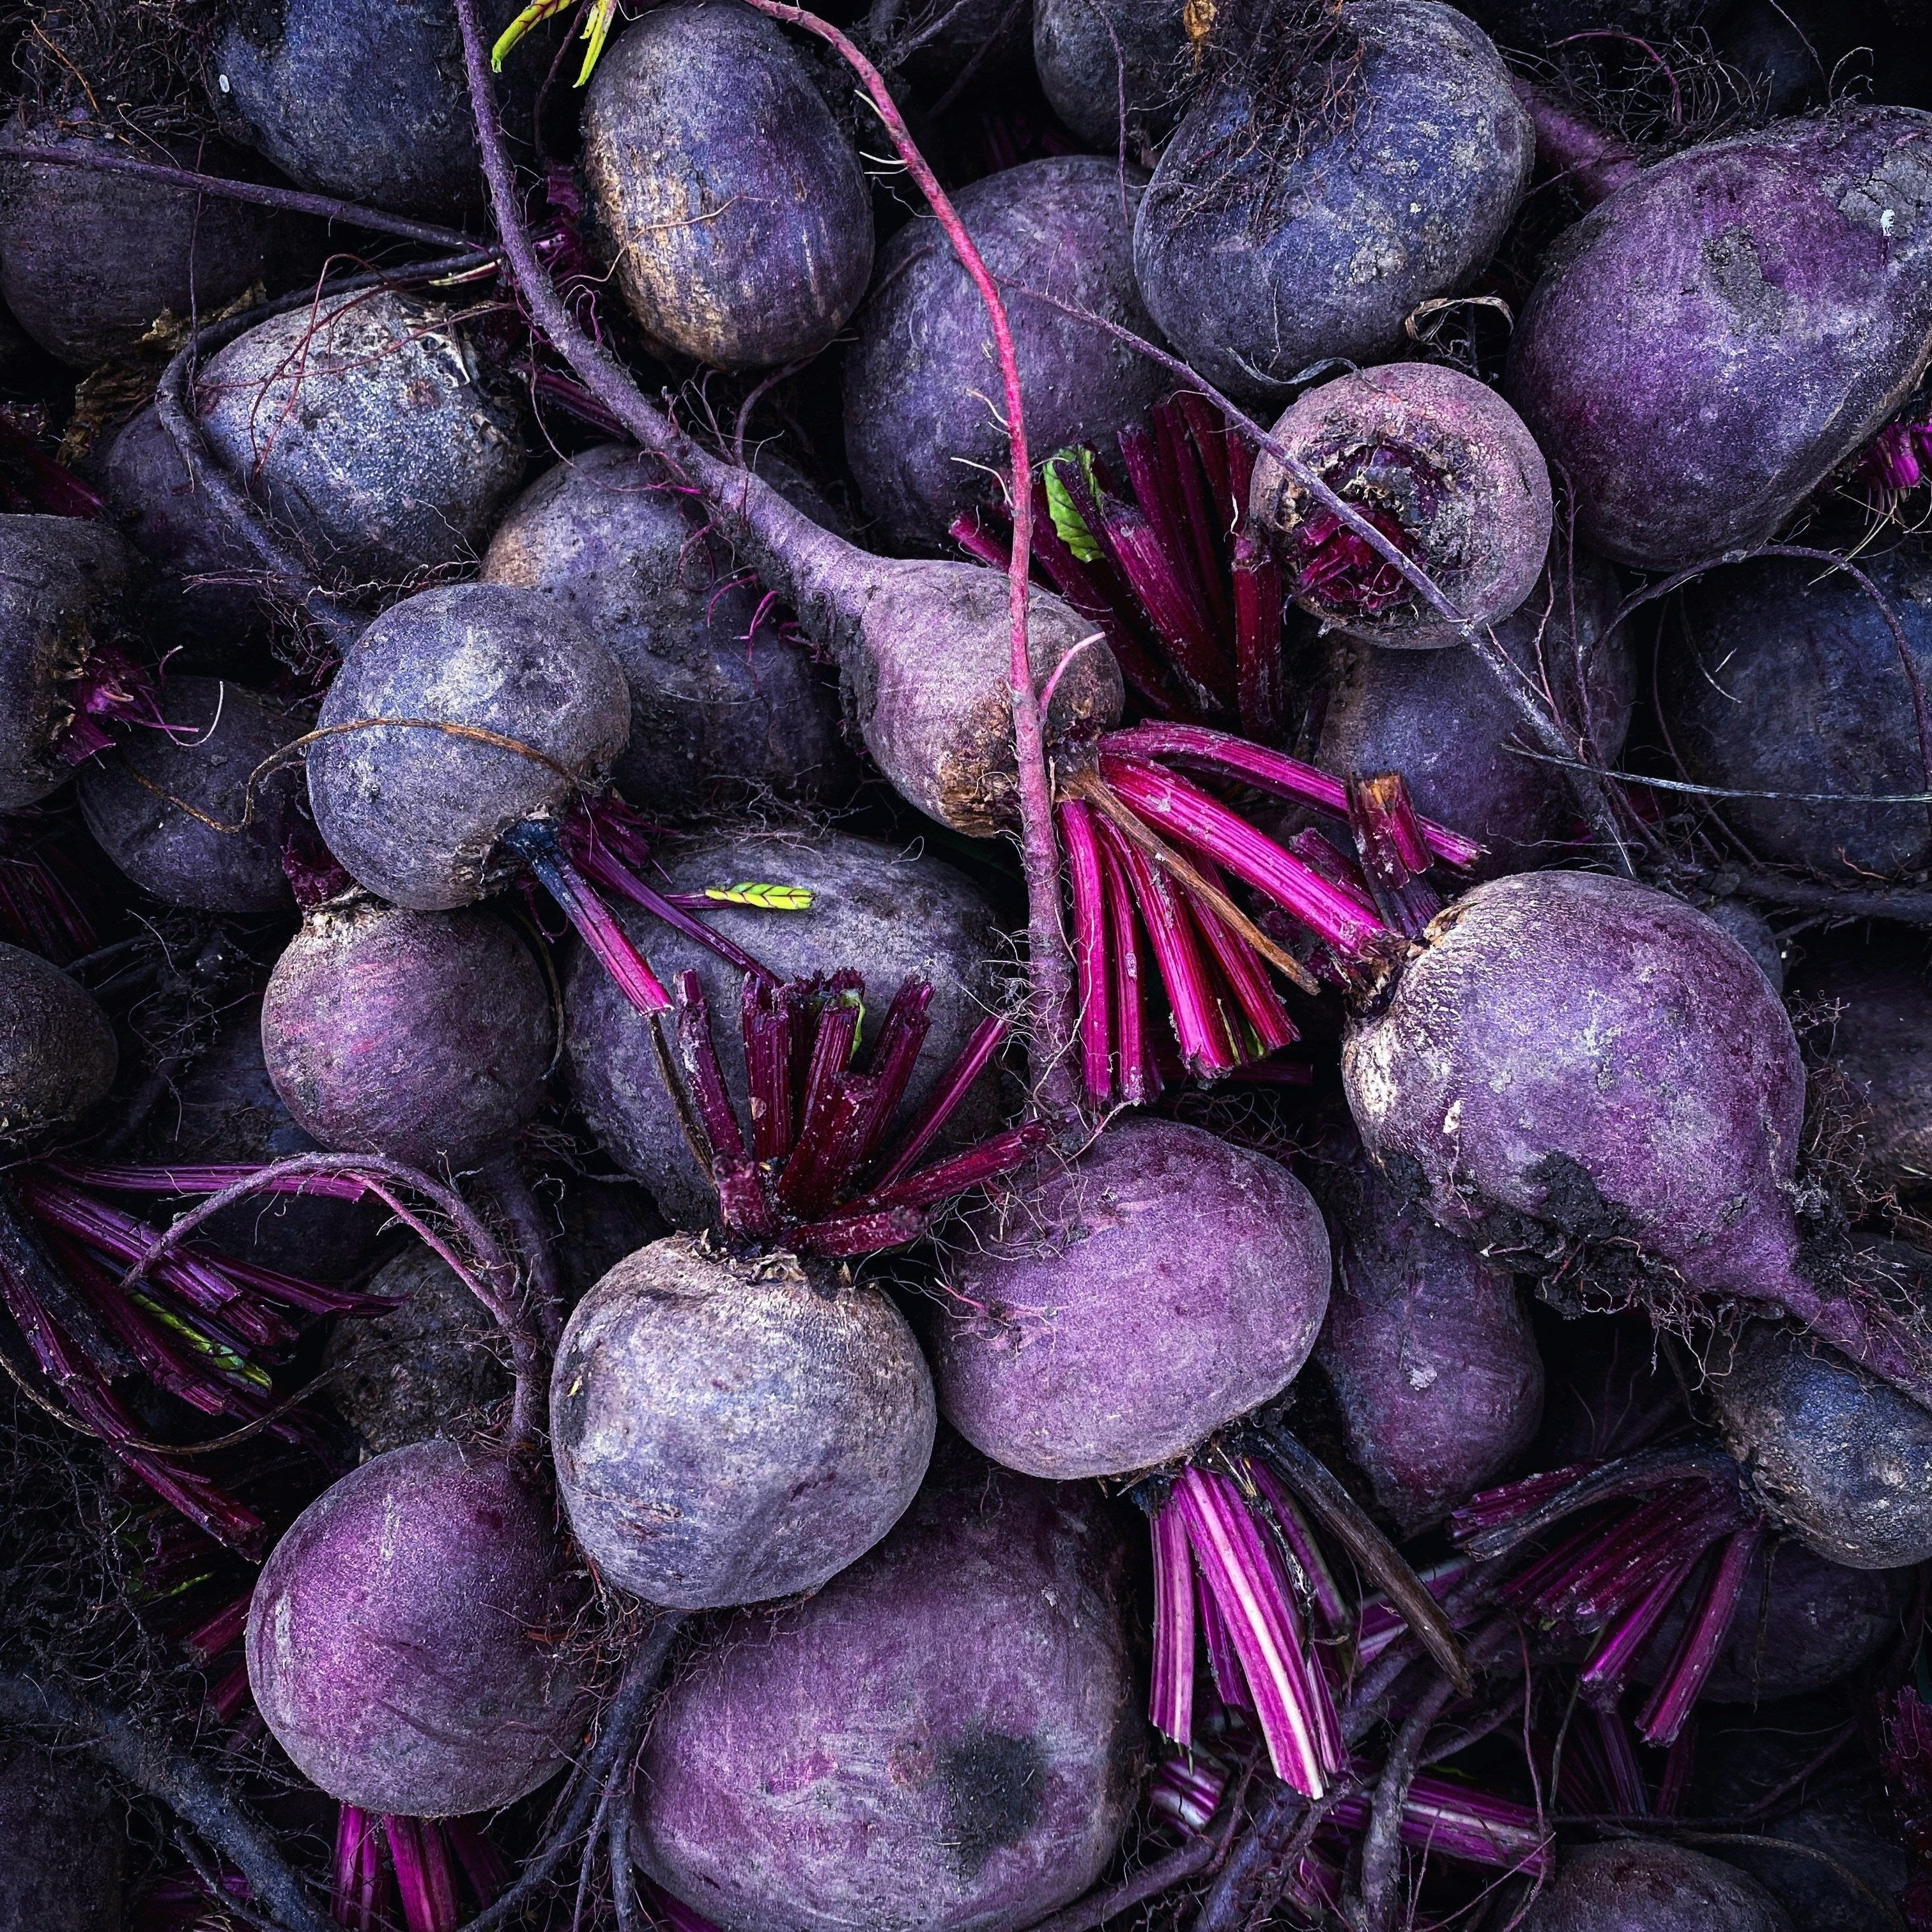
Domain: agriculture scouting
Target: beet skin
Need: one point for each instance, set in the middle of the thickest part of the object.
(57, 1050)
(1640, 1885)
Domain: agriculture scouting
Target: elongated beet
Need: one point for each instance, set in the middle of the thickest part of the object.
(728, 1431)
(1096, 57)
(148, 800)
(1708, 344)
(422, 1036)
(57, 1050)
(1300, 215)
(403, 1639)
(731, 204)
(918, 432)
(974, 1669)
(1116, 1314)
(367, 425)
(66, 1839)
(1643, 1885)
(725, 710)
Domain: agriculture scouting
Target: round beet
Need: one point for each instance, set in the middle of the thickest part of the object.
(1753, 932)
(425, 1036)
(724, 710)
(1708, 344)
(1095, 56)
(1639, 1885)
(148, 800)
(66, 1839)
(729, 1430)
(417, 814)
(890, 913)
(731, 205)
(1441, 464)
(365, 424)
(1300, 215)
(1115, 1315)
(404, 1639)
(920, 437)
(945, 1737)
(57, 1050)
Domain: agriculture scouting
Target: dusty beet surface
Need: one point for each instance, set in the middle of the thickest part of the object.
(1640, 1886)
(57, 1050)
(65, 1836)
(1091, 58)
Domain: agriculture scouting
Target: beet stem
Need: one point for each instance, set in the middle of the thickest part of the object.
(1090, 948)
(1259, 608)
(895, 1054)
(1260, 1004)
(1298, 1537)
(770, 1016)
(1663, 1717)
(1171, 1692)
(954, 1085)
(1189, 490)
(735, 1177)
(538, 846)
(1139, 1077)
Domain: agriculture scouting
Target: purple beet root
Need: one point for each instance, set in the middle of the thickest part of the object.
(724, 710)
(425, 1036)
(1427, 1350)
(945, 1737)
(1711, 342)
(1114, 1316)
(1639, 1885)
(730, 1430)
(1095, 59)
(66, 1839)
(136, 800)
(404, 1639)
(1443, 466)
(920, 438)
(1443, 721)
(416, 813)
(895, 914)
(57, 1050)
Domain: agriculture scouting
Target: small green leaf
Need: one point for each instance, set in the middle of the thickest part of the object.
(596, 31)
(763, 898)
(1068, 523)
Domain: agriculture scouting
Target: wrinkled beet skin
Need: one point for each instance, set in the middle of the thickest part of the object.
(65, 1840)
(127, 798)
(1787, 682)
(886, 913)
(1406, 202)
(1561, 1022)
(424, 1037)
(57, 1050)
(721, 714)
(1845, 1462)
(727, 1432)
(416, 814)
(732, 206)
(1641, 1885)
(66, 587)
(1480, 520)
(919, 435)
(90, 261)
(945, 1738)
(1117, 1314)
(1091, 56)
(365, 423)
(1441, 720)
(403, 1640)
(1711, 342)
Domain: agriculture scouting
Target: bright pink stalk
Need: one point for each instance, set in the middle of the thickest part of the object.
(540, 849)
(1186, 1793)
(359, 1899)
(1170, 1697)
(1298, 1535)
(954, 1085)
(1089, 947)
(1663, 1717)
(1444, 1818)
(1139, 1077)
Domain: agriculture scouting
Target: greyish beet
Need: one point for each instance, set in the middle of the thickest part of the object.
(945, 1738)
(1094, 54)
(918, 432)
(1113, 1315)
(57, 1050)
(1641, 1886)
(66, 1839)
(730, 1430)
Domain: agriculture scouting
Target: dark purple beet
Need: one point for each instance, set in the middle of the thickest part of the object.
(919, 433)
(404, 1641)
(136, 800)
(722, 715)
(1113, 1315)
(1708, 344)
(1642, 1884)
(423, 1035)
(66, 1839)
(1094, 55)
(57, 1050)
(945, 1737)
(1752, 931)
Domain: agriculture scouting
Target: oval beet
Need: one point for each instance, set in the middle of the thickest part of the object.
(1094, 56)
(1642, 1885)
(57, 1050)
(66, 1836)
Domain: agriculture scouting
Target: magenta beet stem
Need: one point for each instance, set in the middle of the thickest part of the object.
(1609, 1663)
(1618, 1766)
(864, 1231)
(358, 1901)
(1188, 1794)
(222, 1631)
(538, 847)
(769, 1018)
(1297, 1535)
(1224, 1661)
(1388, 835)
(211, 1178)
(953, 1087)
(1139, 1077)
(1662, 1718)
(1258, 607)
(422, 1874)
(1241, 967)
(1090, 947)
(483, 1865)
(973, 1167)
(895, 1054)
(1440, 1817)
(1191, 490)
(1171, 1692)
(1379, 1623)
(735, 1178)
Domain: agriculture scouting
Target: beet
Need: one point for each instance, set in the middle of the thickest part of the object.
(403, 1642)
(1752, 931)
(1114, 1316)
(57, 1050)
(1279, 232)
(1444, 721)
(946, 1736)
(66, 1838)
(1789, 681)
(366, 423)
(918, 431)
(1708, 344)
(1094, 57)
(939, 45)
(418, 815)
(1639, 1885)
(729, 1430)
(723, 710)
(731, 204)
(1443, 465)
(136, 798)
(423, 1037)
(893, 914)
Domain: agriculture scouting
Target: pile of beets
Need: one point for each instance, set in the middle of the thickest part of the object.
(965, 967)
